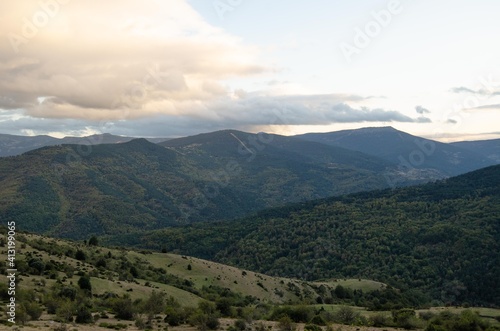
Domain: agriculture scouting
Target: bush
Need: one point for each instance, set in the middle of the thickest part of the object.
(240, 325)
(312, 327)
(65, 311)
(61, 327)
(51, 304)
(34, 310)
(426, 315)
(378, 320)
(84, 284)
(124, 309)
(286, 324)
(21, 315)
(93, 241)
(140, 323)
(83, 315)
(204, 321)
(346, 315)
(298, 314)
(405, 318)
(318, 320)
(80, 255)
(466, 321)
(175, 316)
(223, 305)
(213, 323)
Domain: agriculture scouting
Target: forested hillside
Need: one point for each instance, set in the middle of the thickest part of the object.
(76, 191)
(442, 239)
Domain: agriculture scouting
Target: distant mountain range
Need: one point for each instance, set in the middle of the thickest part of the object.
(487, 148)
(75, 190)
(427, 158)
(414, 152)
(11, 145)
(117, 185)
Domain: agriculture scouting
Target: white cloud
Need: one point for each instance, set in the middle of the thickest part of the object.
(115, 59)
(146, 68)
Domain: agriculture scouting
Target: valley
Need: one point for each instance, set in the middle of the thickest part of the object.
(276, 232)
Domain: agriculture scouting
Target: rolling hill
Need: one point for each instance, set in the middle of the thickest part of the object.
(75, 191)
(11, 145)
(407, 150)
(440, 238)
(183, 277)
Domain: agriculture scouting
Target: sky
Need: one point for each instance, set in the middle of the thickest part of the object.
(170, 68)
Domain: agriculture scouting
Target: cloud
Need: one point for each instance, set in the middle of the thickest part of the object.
(161, 71)
(494, 106)
(451, 121)
(463, 89)
(463, 136)
(421, 110)
(242, 110)
(423, 119)
(486, 92)
(116, 65)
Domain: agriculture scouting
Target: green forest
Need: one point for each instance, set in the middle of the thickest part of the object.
(440, 240)
(73, 191)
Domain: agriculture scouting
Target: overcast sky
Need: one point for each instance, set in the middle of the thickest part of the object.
(170, 68)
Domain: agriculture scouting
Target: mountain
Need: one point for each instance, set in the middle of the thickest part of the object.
(15, 145)
(410, 152)
(442, 239)
(11, 145)
(75, 191)
(487, 148)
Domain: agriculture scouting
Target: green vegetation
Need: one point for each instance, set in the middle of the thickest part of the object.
(165, 294)
(76, 192)
(379, 259)
(436, 243)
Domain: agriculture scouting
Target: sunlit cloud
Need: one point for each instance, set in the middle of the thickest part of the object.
(116, 65)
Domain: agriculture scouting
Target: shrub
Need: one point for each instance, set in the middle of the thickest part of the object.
(346, 315)
(84, 283)
(61, 327)
(34, 310)
(175, 316)
(447, 321)
(405, 318)
(65, 311)
(83, 315)
(378, 320)
(68, 292)
(124, 309)
(204, 321)
(80, 255)
(286, 324)
(240, 325)
(312, 327)
(318, 320)
(426, 315)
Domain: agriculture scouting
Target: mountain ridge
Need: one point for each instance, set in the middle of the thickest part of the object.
(440, 238)
(410, 152)
(12, 145)
(77, 190)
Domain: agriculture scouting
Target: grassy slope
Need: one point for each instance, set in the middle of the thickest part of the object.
(202, 273)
